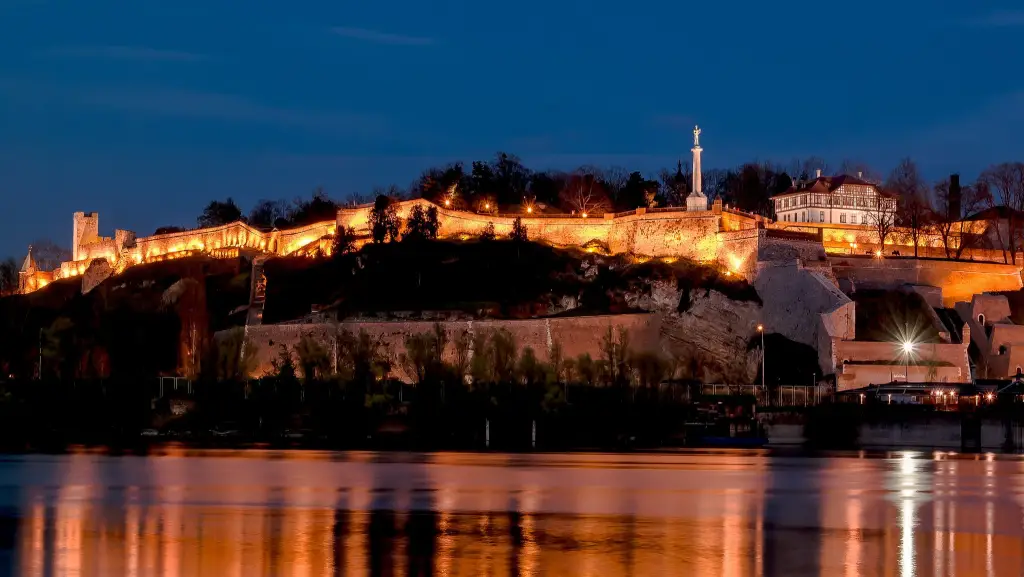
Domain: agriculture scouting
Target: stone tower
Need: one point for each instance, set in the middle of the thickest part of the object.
(696, 199)
(86, 231)
(27, 274)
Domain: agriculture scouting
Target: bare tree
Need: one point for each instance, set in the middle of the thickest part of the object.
(614, 179)
(882, 216)
(859, 169)
(584, 194)
(952, 207)
(807, 168)
(1007, 183)
(915, 212)
(8, 276)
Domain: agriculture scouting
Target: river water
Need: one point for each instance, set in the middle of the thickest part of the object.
(183, 512)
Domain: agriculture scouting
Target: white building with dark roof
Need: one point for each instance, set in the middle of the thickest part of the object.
(841, 199)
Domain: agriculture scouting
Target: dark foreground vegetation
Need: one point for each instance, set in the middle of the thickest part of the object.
(52, 416)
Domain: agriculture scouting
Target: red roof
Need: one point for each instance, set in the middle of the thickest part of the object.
(829, 184)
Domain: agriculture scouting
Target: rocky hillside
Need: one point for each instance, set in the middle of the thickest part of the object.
(141, 322)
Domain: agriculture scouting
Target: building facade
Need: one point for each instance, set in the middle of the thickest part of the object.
(839, 199)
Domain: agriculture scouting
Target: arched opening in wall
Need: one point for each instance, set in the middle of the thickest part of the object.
(1002, 349)
(1018, 369)
(981, 320)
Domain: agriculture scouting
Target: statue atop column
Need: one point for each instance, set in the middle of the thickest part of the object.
(696, 200)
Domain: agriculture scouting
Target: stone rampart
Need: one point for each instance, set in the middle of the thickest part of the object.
(959, 280)
(577, 335)
(659, 233)
(804, 306)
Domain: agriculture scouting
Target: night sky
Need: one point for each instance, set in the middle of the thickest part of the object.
(144, 110)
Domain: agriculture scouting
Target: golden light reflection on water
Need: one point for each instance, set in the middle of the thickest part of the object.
(188, 513)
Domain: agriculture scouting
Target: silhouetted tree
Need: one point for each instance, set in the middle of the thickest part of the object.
(584, 194)
(488, 232)
(269, 214)
(217, 213)
(637, 191)
(384, 223)
(442, 185)
(958, 235)
(169, 230)
(344, 241)
(511, 179)
(1006, 182)
(545, 187)
(675, 185)
(882, 217)
(8, 276)
(915, 211)
(421, 224)
(318, 208)
(518, 233)
(235, 356)
(313, 358)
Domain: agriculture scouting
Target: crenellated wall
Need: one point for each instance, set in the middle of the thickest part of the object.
(125, 249)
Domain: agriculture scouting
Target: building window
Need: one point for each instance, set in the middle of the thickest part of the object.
(842, 218)
(853, 219)
(803, 216)
(821, 216)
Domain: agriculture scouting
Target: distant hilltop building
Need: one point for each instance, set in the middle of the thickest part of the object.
(840, 199)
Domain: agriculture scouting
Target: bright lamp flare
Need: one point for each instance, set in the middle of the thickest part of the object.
(908, 347)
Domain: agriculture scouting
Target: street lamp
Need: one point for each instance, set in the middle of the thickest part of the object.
(908, 349)
(760, 329)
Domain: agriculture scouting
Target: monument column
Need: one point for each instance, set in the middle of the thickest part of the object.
(696, 199)
(697, 183)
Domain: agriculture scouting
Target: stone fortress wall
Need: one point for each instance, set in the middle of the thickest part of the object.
(654, 233)
(224, 241)
(731, 239)
(959, 280)
(576, 335)
(657, 233)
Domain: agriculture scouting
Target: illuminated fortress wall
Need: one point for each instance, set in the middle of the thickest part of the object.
(652, 233)
(728, 237)
(226, 241)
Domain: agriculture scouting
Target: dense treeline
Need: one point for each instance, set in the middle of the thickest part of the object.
(505, 185)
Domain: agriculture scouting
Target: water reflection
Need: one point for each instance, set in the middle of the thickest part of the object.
(302, 514)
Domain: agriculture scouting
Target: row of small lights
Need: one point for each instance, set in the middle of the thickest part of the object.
(952, 394)
(487, 206)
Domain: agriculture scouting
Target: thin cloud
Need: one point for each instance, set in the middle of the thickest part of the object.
(138, 53)
(381, 37)
(1000, 19)
(227, 107)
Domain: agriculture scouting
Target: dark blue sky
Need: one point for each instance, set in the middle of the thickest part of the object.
(144, 110)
